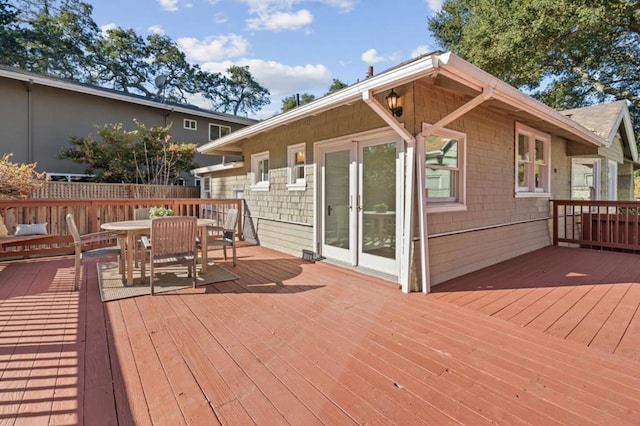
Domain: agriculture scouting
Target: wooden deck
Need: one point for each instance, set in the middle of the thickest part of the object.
(293, 342)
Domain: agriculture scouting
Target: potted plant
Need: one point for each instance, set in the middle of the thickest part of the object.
(160, 212)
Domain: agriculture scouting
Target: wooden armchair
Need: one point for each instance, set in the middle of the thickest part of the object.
(81, 255)
(228, 237)
(172, 242)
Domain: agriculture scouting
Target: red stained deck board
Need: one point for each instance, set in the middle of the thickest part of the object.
(332, 344)
(234, 383)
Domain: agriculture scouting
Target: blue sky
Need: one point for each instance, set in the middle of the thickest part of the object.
(291, 46)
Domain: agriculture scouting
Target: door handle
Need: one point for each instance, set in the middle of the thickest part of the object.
(328, 210)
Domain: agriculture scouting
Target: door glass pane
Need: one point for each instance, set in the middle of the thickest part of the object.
(379, 200)
(336, 203)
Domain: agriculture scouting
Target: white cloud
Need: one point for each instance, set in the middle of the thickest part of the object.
(371, 57)
(421, 50)
(280, 21)
(343, 5)
(281, 80)
(156, 29)
(220, 18)
(213, 48)
(169, 5)
(106, 28)
(434, 5)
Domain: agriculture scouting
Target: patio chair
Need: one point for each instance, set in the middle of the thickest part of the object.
(172, 242)
(97, 237)
(228, 237)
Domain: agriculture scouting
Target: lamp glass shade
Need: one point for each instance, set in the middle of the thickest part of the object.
(392, 100)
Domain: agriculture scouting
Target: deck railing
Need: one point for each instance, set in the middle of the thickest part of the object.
(90, 214)
(597, 224)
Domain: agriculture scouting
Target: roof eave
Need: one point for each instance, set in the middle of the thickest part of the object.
(74, 87)
(384, 81)
(455, 67)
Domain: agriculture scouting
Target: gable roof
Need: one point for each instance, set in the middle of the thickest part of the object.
(606, 121)
(88, 89)
(465, 77)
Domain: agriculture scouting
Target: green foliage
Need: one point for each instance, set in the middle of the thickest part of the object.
(290, 102)
(145, 155)
(240, 93)
(60, 38)
(568, 53)
(160, 211)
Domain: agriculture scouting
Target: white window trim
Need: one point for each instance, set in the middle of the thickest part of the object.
(299, 184)
(189, 120)
(461, 203)
(255, 160)
(220, 127)
(528, 192)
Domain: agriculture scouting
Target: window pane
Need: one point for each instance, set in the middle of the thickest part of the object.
(523, 148)
(264, 172)
(540, 172)
(441, 151)
(224, 131)
(539, 151)
(523, 180)
(440, 183)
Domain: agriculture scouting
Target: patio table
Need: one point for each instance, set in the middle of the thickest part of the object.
(135, 228)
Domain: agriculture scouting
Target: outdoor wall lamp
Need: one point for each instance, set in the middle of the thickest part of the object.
(392, 101)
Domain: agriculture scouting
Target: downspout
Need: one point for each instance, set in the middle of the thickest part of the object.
(29, 86)
(407, 229)
(487, 93)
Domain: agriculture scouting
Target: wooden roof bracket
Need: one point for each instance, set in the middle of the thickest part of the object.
(487, 93)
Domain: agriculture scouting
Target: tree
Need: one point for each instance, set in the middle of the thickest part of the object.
(145, 155)
(239, 93)
(567, 53)
(18, 180)
(10, 35)
(58, 40)
(336, 85)
(290, 102)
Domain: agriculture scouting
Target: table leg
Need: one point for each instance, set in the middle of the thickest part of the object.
(204, 249)
(131, 240)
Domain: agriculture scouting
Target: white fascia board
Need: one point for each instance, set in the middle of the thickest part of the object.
(472, 76)
(387, 80)
(628, 129)
(217, 168)
(79, 88)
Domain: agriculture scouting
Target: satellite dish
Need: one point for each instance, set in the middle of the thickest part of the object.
(160, 81)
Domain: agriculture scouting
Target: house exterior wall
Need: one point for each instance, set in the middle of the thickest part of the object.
(283, 219)
(496, 225)
(47, 116)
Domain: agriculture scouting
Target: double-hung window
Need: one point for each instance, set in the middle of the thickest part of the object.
(296, 180)
(445, 152)
(216, 131)
(260, 171)
(190, 124)
(532, 162)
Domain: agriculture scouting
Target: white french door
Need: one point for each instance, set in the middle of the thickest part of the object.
(360, 202)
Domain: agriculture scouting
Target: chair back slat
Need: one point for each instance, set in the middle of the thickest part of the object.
(173, 236)
(230, 220)
(73, 229)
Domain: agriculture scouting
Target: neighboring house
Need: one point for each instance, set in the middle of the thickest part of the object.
(457, 177)
(38, 114)
(604, 173)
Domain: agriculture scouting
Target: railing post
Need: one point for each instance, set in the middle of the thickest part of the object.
(555, 220)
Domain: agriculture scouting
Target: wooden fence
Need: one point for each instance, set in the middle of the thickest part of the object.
(90, 214)
(82, 190)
